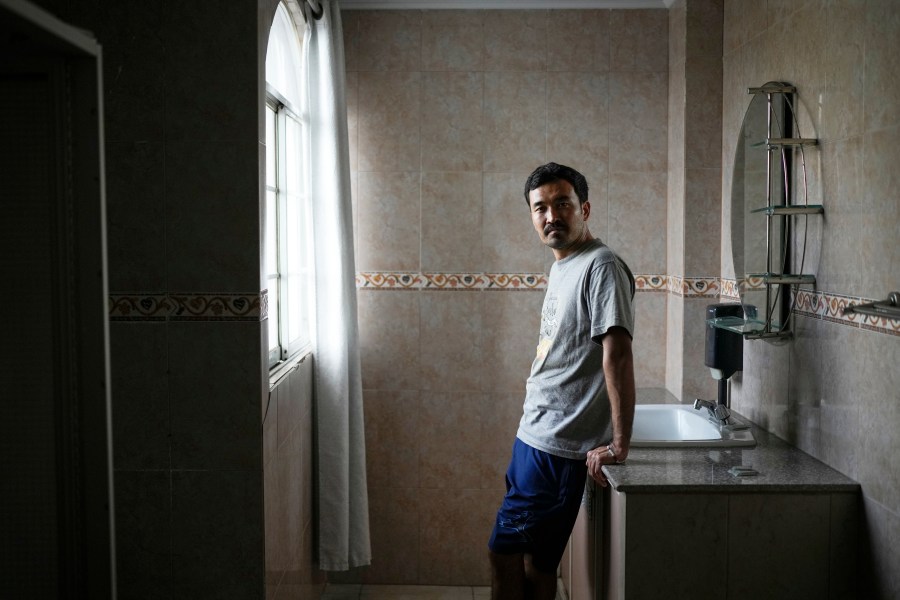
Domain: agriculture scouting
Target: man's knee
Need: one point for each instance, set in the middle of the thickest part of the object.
(507, 563)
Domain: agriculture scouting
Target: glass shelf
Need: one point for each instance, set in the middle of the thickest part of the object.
(791, 209)
(783, 278)
(784, 142)
(749, 329)
(779, 142)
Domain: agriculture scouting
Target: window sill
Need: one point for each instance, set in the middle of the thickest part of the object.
(282, 369)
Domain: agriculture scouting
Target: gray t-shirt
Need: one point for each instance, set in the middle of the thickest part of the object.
(566, 402)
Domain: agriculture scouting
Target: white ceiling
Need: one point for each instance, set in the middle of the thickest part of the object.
(501, 4)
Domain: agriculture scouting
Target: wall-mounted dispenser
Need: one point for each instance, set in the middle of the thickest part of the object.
(724, 355)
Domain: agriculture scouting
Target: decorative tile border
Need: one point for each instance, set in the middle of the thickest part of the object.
(451, 281)
(830, 307)
(731, 288)
(650, 283)
(188, 306)
(512, 282)
(389, 281)
(694, 287)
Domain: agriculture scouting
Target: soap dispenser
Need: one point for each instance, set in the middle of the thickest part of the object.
(724, 348)
(724, 357)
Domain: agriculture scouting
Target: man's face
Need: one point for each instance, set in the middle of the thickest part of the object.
(559, 217)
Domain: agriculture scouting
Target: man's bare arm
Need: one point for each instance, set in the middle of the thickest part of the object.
(618, 368)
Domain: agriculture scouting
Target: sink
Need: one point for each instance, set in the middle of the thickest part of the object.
(681, 426)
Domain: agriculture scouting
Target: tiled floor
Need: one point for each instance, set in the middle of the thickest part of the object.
(404, 592)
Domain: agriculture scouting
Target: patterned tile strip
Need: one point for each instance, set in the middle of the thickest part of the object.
(830, 307)
(188, 307)
(254, 307)
(694, 287)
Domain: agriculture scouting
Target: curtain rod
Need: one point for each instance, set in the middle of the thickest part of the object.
(312, 8)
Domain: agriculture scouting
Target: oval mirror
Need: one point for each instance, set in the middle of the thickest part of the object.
(768, 209)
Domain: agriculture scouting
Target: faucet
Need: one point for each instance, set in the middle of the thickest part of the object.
(717, 412)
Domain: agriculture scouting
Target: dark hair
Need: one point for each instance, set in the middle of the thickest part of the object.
(553, 172)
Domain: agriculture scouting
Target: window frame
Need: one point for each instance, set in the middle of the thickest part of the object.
(288, 349)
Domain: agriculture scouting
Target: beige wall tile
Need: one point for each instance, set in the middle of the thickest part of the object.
(515, 125)
(842, 109)
(598, 196)
(389, 339)
(389, 40)
(638, 121)
(879, 419)
(637, 208)
(704, 30)
(395, 520)
(697, 382)
(138, 364)
(674, 345)
(212, 222)
(451, 222)
(450, 343)
(453, 40)
(449, 436)
(878, 250)
(702, 217)
(839, 266)
(215, 419)
(512, 321)
(143, 532)
(452, 133)
(350, 29)
(515, 40)
(511, 245)
(649, 345)
(677, 33)
(500, 416)
(462, 521)
(392, 446)
(202, 502)
(639, 40)
(702, 137)
(389, 122)
(882, 88)
(580, 40)
(675, 227)
(578, 127)
(389, 221)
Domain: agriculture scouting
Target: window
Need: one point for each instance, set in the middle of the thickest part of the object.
(288, 235)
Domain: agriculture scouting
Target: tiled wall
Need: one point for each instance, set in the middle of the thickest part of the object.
(288, 474)
(183, 223)
(832, 390)
(449, 112)
(694, 168)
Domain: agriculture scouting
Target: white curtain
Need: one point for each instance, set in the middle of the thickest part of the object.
(343, 507)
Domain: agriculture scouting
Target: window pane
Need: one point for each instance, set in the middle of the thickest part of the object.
(273, 314)
(271, 234)
(294, 155)
(283, 58)
(271, 146)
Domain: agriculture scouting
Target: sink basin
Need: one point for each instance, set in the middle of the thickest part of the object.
(681, 426)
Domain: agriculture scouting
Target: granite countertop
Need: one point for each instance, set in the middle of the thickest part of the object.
(780, 466)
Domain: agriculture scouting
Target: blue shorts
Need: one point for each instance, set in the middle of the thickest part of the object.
(543, 495)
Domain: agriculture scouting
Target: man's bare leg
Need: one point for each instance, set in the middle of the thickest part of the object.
(507, 576)
(541, 585)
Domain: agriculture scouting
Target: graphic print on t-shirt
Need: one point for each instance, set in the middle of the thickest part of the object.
(549, 325)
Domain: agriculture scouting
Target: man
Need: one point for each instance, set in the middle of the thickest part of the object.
(579, 400)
